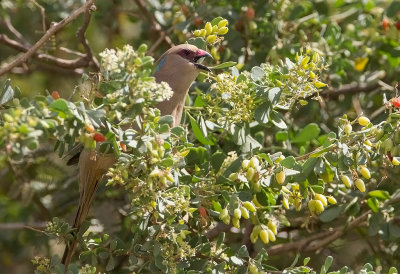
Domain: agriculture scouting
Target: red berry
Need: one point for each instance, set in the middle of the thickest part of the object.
(397, 25)
(385, 24)
(250, 13)
(55, 95)
(396, 102)
(203, 212)
(98, 137)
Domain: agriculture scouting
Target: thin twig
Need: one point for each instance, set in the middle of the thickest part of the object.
(50, 32)
(350, 89)
(15, 226)
(157, 43)
(17, 34)
(63, 63)
(80, 34)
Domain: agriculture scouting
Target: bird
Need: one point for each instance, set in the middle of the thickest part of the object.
(179, 67)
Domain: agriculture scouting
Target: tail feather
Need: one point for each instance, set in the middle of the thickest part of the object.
(93, 166)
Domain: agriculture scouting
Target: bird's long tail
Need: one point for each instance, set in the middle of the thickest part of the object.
(92, 167)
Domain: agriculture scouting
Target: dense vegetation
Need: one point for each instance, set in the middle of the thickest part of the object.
(286, 160)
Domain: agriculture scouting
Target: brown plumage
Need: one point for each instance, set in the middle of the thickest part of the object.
(179, 68)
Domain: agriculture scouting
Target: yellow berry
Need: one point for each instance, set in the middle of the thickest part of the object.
(222, 23)
(211, 38)
(271, 225)
(249, 205)
(236, 222)
(214, 29)
(197, 32)
(254, 162)
(312, 75)
(253, 269)
(319, 84)
(223, 31)
(280, 177)
(363, 121)
(203, 32)
(271, 235)
(264, 236)
(245, 164)
(245, 212)
(233, 176)
(285, 203)
(332, 200)
(360, 185)
(365, 172)
(250, 174)
(346, 180)
(322, 198)
(237, 213)
(208, 28)
(305, 61)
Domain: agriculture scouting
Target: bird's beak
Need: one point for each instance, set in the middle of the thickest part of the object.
(200, 55)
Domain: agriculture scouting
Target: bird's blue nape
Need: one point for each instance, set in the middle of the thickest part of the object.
(161, 64)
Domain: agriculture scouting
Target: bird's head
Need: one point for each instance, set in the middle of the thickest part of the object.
(184, 59)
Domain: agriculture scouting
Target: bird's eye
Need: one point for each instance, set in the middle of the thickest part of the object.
(186, 52)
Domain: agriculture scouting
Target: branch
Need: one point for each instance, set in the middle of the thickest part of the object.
(49, 33)
(64, 63)
(319, 240)
(153, 22)
(350, 89)
(80, 34)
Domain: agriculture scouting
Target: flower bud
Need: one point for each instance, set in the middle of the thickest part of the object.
(254, 162)
(285, 203)
(319, 84)
(245, 164)
(395, 161)
(197, 32)
(233, 176)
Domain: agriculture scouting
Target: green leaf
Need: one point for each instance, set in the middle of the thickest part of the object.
(288, 162)
(392, 270)
(167, 119)
(393, 8)
(216, 20)
(281, 136)
(235, 260)
(257, 73)
(375, 223)
(327, 264)
(217, 159)
(331, 213)
(277, 120)
(261, 113)
(394, 230)
(224, 65)
(373, 204)
(308, 133)
(59, 105)
(7, 94)
(242, 252)
(274, 94)
(379, 194)
(309, 165)
(200, 135)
